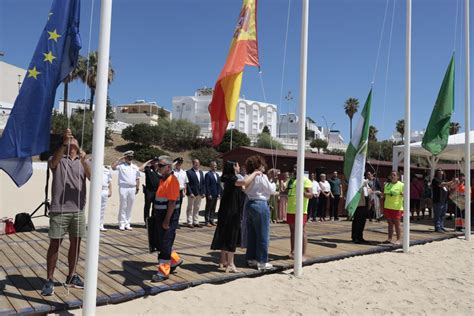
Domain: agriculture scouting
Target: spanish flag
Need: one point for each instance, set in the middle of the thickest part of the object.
(243, 51)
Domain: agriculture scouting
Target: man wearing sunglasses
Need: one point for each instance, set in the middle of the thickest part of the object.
(167, 203)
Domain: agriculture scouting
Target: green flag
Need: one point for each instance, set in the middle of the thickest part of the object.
(437, 132)
(356, 157)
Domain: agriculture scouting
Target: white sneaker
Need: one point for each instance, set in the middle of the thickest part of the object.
(264, 266)
(102, 228)
(128, 227)
(252, 263)
(122, 227)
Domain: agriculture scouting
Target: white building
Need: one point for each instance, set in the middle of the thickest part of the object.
(416, 136)
(288, 127)
(140, 112)
(11, 78)
(74, 106)
(251, 116)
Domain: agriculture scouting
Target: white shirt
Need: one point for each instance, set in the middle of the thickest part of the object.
(128, 175)
(198, 174)
(182, 178)
(260, 188)
(325, 186)
(106, 178)
(316, 188)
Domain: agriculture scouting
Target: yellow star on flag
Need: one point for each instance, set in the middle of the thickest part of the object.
(33, 73)
(53, 35)
(49, 57)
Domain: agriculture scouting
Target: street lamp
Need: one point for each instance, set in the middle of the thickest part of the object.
(181, 111)
(288, 98)
(328, 128)
(19, 82)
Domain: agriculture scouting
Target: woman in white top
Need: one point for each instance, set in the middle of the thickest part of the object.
(258, 214)
(324, 197)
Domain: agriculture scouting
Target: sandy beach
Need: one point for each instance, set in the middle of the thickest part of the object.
(433, 279)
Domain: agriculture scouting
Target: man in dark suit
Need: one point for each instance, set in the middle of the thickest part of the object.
(195, 192)
(213, 193)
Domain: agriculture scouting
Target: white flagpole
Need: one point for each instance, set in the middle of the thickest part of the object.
(298, 255)
(93, 233)
(406, 158)
(467, 129)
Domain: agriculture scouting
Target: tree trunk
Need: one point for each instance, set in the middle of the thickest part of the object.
(66, 95)
(350, 137)
(91, 103)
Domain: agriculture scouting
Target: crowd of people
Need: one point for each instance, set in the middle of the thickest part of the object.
(251, 198)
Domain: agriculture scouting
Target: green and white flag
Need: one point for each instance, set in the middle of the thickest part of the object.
(356, 157)
(436, 135)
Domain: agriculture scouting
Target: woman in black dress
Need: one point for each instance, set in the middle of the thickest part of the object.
(227, 234)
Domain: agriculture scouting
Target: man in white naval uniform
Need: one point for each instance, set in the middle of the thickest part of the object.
(106, 193)
(129, 184)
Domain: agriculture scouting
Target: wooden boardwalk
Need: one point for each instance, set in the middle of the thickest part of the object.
(126, 267)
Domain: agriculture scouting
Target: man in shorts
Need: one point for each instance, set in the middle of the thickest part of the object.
(70, 171)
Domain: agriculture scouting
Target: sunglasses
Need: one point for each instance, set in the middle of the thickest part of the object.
(162, 165)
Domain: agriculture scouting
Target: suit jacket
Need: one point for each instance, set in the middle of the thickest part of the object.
(194, 185)
(213, 186)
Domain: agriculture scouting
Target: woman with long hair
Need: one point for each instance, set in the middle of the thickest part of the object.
(227, 234)
(258, 220)
(393, 206)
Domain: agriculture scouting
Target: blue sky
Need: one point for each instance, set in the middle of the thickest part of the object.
(166, 48)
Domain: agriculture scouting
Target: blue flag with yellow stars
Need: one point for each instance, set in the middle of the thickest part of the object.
(27, 132)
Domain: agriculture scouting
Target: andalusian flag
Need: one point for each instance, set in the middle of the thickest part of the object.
(243, 51)
(437, 133)
(355, 158)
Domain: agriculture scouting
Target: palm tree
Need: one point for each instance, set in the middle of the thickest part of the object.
(400, 127)
(454, 128)
(350, 107)
(89, 76)
(73, 75)
(373, 133)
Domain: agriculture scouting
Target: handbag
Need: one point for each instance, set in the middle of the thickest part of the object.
(9, 227)
(23, 223)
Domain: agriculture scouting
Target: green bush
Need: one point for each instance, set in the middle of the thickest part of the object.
(238, 139)
(335, 151)
(206, 155)
(145, 153)
(381, 150)
(78, 120)
(178, 135)
(267, 141)
(175, 135)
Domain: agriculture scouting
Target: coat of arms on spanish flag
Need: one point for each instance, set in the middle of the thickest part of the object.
(243, 51)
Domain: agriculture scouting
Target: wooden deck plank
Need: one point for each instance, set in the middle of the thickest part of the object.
(20, 304)
(126, 266)
(72, 296)
(29, 284)
(6, 307)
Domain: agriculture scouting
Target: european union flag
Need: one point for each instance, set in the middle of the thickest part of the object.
(27, 132)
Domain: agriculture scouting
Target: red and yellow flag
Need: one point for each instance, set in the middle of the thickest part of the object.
(243, 51)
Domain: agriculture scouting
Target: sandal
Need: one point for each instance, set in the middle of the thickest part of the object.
(222, 267)
(231, 269)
